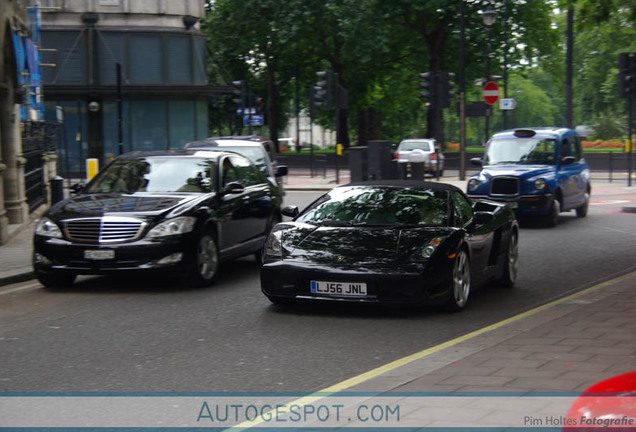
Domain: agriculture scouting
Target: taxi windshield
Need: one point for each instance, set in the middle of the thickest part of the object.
(528, 151)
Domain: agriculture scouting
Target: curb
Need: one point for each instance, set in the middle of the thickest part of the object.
(20, 275)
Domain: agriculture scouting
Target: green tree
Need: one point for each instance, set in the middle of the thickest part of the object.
(260, 41)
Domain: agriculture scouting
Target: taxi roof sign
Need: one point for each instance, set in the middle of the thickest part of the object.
(524, 133)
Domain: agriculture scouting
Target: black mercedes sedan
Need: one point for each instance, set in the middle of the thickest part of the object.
(178, 211)
(392, 242)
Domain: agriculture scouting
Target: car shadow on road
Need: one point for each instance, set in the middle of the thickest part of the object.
(353, 310)
(533, 223)
(231, 273)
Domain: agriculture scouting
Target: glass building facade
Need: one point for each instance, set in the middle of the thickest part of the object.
(164, 91)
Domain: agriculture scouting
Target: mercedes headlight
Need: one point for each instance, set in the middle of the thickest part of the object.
(176, 226)
(539, 184)
(46, 227)
(473, 184)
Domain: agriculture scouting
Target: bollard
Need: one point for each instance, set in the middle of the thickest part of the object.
(394, 170)
(57, 189)
(358, 163)
(402, 170)
(417, 171)
(379, 160)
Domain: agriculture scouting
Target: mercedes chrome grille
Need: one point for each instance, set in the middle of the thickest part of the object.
(107, 229)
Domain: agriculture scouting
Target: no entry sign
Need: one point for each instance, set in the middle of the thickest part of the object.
(491, 92)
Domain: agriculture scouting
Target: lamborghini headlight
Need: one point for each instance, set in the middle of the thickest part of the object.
(274, 244)
(427, 250)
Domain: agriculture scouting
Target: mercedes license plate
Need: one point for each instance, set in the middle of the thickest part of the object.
(351, 289)
(101, 254)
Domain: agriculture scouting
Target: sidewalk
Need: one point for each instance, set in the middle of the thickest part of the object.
(564, 346)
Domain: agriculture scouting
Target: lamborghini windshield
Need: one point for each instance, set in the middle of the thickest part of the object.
(377, 205)
(528, 151)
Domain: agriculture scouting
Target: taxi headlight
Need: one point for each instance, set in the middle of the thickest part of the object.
(473, 184)
(539, 184)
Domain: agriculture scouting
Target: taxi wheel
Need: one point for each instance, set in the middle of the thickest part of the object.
(552, 218)
(582, 211)
(203, 271)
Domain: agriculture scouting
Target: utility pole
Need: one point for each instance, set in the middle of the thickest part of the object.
(462, 93)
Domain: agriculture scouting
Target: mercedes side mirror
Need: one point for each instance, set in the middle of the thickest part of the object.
(233, 188)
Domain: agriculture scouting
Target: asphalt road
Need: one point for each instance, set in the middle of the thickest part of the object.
(111, 334)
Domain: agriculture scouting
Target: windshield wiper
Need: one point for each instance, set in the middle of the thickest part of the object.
(333, 223)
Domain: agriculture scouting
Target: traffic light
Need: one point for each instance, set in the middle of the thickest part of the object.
(446, 86)
(323, 90)
(430, 86)
(240, 91)
(626, 74)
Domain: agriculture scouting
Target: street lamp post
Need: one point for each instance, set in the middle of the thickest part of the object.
(489, 16)
(462, 93)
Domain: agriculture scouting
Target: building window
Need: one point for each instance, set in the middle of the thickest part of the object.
(182, 127)
(111, 129)
(69, 58)
(72, 149)
(111, 51)
(179, 60)
(146, 60)
(149, 125)
(202, 120)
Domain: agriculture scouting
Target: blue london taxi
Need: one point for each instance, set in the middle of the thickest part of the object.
(536, 171)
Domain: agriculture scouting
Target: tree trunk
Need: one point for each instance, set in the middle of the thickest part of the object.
(369, 126)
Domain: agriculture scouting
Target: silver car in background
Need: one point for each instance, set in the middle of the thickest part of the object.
(260, 151)
(423, 150)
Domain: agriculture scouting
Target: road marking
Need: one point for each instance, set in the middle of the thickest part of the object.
(22, 288)
(374, 373)
(609, 202)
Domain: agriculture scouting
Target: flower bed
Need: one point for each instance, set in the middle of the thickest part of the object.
(602, 144)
